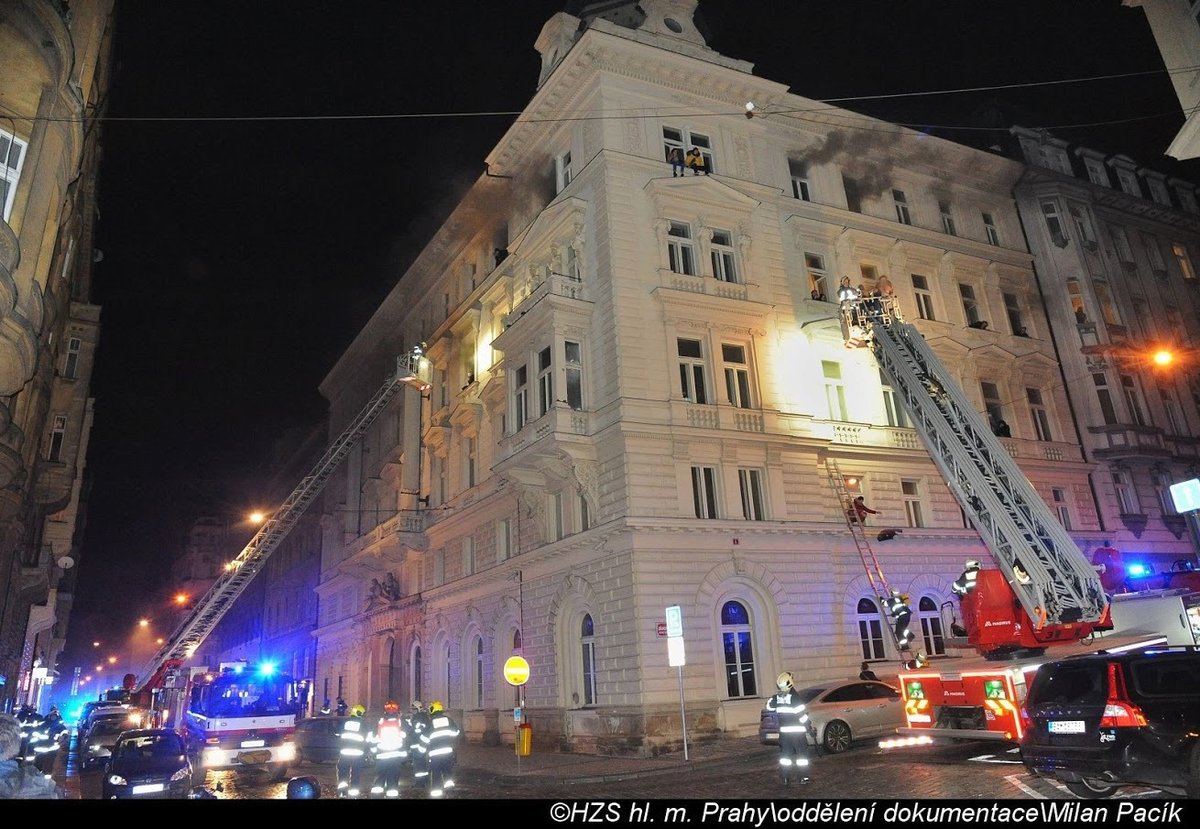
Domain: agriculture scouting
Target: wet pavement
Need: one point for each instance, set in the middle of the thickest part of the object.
(724, 769)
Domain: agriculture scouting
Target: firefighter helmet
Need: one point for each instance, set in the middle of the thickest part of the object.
(391, 707)
(971, 564)
(417, 705)
(357, 711)
(784, 680)
(435, 706)
(303, 788)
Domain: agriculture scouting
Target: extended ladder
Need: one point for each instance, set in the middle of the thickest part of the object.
(871, 566)
(193, 630)
(1050, 577)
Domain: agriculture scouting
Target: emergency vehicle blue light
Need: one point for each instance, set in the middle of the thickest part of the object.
(1137, 570)
(266, 668)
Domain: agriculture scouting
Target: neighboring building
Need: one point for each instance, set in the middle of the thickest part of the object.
(210, 543)
(1176, 28)
(1117, 248)
(637, 401)
(56, 65)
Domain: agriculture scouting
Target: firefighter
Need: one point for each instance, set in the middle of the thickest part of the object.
(326, 708)
(966, 582)
(417, 725)
(353, 753)
(896, 604)
(794, 728)
(53, 729)
(31, 734)
(439, 744)
(388, 748)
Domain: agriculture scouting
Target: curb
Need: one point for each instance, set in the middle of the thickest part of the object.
(616, 776)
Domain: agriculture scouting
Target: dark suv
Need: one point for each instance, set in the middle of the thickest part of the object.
(1100, 721)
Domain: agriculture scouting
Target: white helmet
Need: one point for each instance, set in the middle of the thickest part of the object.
(972, 564)
(784, 680)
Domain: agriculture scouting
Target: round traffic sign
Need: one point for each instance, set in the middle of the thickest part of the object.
(516, 670)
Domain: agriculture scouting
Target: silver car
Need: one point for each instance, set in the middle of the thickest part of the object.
(842, 712)
(96, 745)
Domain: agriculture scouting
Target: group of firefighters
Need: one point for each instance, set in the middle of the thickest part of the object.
(424, 738)
(41, 737)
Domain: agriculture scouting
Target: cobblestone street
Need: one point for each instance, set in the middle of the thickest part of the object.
(738, 769)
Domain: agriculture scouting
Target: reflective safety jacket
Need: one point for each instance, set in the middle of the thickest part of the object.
(353, 738)
(388, 739)
(439, 738)
(791, 712)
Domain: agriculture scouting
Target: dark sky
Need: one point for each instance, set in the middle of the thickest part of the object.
(242, 254)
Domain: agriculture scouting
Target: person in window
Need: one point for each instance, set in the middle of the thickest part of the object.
(794, 727)
(866, 674)
(859, 511)
(1002, 429)
(675, 159)
(1081, 316)
(884, 287)
(695, 162)
(817, 295)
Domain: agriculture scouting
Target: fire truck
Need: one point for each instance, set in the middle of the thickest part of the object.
(1043, 592)
(238, 715)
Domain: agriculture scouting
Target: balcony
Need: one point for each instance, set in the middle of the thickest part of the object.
(553, 284)
(387, 544)
(559, 420)
(705, 285)
(1128, 440)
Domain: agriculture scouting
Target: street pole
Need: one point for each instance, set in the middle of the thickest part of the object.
(683, 715)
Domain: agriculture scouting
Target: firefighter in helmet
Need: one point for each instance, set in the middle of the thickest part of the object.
(794, 727)
(966, 582)
(439, 745)
(416, 725)
(353, 753)
(387, 744)
(896, 604)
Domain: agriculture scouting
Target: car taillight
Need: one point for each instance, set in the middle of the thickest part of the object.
(1119, 710)
(1026, 720)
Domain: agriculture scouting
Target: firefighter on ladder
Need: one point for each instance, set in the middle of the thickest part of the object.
(794, 727)
(387, 744)
(352, 755)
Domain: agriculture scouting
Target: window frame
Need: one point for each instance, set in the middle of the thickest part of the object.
(587, 643)
(563, 173)
(970, 305)
(706, 501)
(801, 187)
(71, 364)
(910, 493)
(900, 202)
(1039, 414)
(10, 174)
(1062, 507)
(57, 438)
(835, 391)
(545, 380)
(870, 630)
(573, 373)
(693, 372)
(933, 636)
(818, 276)
(688, 139)
(724, 257)
(947, 213)
(520, 397)
(681, 248)
(739, 389)
(742, 635)
(923, 296)
(753, 493)
(990, 230)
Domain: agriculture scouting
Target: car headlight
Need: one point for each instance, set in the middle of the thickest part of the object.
(117, 780)
(287, 751)
(183, 774)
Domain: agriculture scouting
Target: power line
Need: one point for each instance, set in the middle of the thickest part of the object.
(610, 116)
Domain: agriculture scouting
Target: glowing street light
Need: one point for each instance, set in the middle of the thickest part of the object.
(95, 644)
(181, 599)
(257, 517)
(1163, 357)
(144, 623)
(112, 660)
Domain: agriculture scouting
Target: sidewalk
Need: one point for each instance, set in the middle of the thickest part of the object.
(500, 765)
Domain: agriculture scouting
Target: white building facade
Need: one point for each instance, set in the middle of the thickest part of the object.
(641, 392)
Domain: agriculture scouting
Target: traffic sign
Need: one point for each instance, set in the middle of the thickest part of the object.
(674, 620)
(516, 670)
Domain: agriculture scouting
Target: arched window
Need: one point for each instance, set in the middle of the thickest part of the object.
(870, 629)
(588, 643)
(477, 674)
(416, 672)
(931, 627)
(446, 662)
(737, 642)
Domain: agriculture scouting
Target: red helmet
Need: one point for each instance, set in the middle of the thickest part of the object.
(391, 707)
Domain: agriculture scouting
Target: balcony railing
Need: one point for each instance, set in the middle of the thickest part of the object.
(556, 284)
(706, 285)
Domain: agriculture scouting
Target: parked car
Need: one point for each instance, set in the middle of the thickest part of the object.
(318, 739)
(842, 712)
(95, 747)
(148, 763)
(1097, 722)
(127, 713)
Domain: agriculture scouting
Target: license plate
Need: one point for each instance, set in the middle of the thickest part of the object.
(148, 788)
(253, 743)
(1066, 727)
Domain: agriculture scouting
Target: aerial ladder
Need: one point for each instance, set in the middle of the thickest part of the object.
(163, 669)
(1056, 586)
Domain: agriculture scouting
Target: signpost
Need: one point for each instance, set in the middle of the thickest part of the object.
(676, 659)
(516, 673)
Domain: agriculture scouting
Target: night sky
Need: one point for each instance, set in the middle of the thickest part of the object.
(243, 248)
